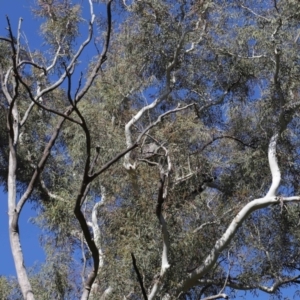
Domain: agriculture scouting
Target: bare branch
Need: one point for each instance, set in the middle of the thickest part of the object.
(160, 118)
(252, 206)
(140, 279)
(102, 58)
(166, 243)
(86, 180)
(221, 244)
(28, 62)
(256, 14)
(219, 296)
(233, 283)
(2, 38)
(26, 115)
(192, 48)
(18, 40)
(97, 237)
(51, 195)
(13, 127)
(273, 162)
(225, 51)
(277, 57)
(214, 222)
(112, 161)
(140, 113)
(222, 137)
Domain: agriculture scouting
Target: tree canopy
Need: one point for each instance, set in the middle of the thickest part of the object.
(169, 169)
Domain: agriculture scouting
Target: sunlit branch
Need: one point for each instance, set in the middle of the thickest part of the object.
(51, 66)
(4, 85)
(234, 283)
(297, 37)
(97, 237)
(223, 51)
(256, 204)
(227, 277)
(166, 243)
(221, 244)
(127, 6)
(26, 115)
(13, 136)
(160, 118)
(273, 162)
(256, 14)
(128, 126)
(106, 293)
(13, 114)
(18, 40)
(49, 194)
(204, 225)
(140, 113)
(84, 259)
(192, 48)
(82, 245)
(218, 296)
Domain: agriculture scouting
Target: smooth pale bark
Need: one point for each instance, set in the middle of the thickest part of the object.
(97, 237)
(167, 90)
(270, 198)
(162, 196)
(13, 214)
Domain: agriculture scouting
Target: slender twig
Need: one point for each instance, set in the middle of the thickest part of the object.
(222, 137)
(112, 161)
(256, 14)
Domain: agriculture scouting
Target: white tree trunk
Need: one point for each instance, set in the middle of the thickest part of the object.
(14, 214)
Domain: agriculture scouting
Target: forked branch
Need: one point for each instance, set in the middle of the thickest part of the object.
(270, 198)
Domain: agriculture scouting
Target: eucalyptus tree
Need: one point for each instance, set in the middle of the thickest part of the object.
(172, 165)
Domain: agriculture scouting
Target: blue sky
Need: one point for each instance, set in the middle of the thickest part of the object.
(30, 233)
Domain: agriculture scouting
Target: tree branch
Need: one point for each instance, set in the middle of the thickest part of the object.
(166, 243)
(218, 296)
(140, 279)
(232, 283)
(140, 113)
(256, 14)
(252, 206)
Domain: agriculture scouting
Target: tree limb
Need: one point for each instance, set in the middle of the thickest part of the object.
(252, 206)
(140, 279)
(166, 243)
